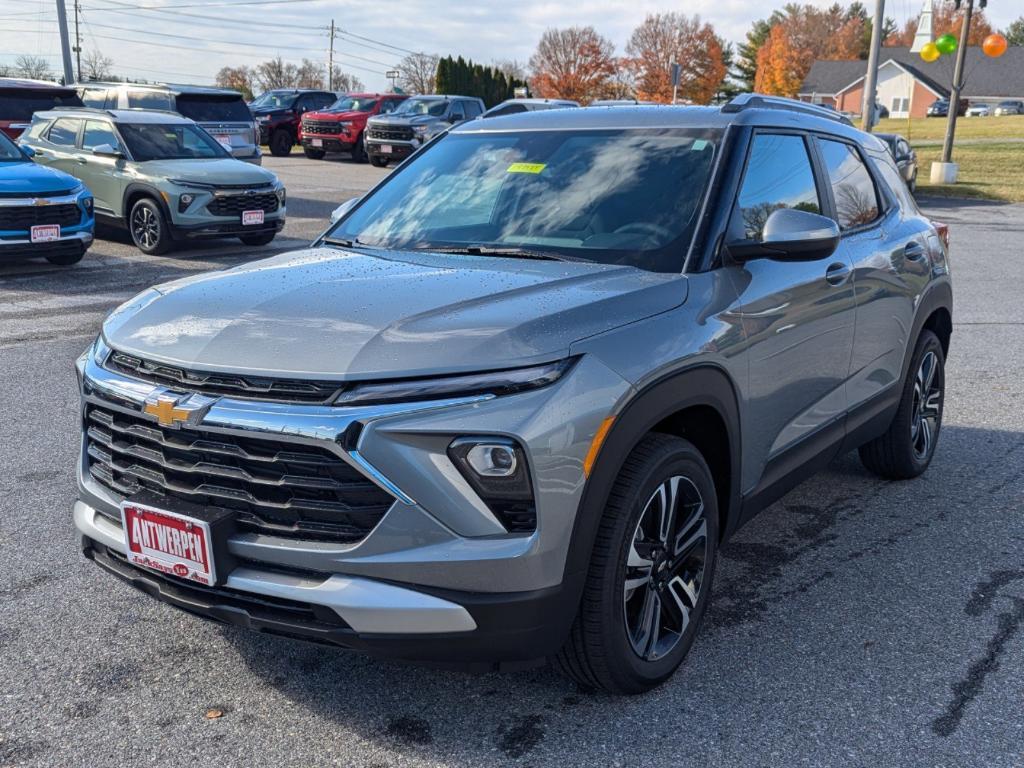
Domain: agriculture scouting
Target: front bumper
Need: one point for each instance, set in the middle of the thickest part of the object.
(438, 578)
(399, 149)
(340, 143)
(18, 248)
(214, 228)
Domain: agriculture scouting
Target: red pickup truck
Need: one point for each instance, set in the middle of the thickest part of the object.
(339, 128)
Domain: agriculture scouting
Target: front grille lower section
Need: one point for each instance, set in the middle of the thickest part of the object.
(225, 385)
(321, 128)
(390, 134)
(233, 205)
(275, 487)
(21, 217)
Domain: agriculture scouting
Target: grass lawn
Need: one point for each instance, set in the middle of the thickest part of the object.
(990, 151)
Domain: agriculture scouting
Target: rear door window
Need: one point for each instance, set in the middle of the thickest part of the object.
(457, 111)
(472, 109)
(853, 189)
(213, 109)
(64, 132)
(778, 175)
(148, 100)
(97, 133)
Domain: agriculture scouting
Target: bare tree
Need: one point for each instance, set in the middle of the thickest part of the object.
(343, 82)
(96, 66)
(513, 69)
(6, 70)
(241, 79)
(309, 75)
(418, 73)
(32, 67)
(276, 73)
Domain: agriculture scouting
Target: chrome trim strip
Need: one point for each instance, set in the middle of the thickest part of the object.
(30, 201)
(379, 478)
(366, 605)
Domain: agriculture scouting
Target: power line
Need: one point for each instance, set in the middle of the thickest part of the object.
(131, 11)
(224, 5)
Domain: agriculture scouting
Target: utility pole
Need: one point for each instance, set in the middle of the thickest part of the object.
(65, 43)
(958, 83)
(78, 42)
(330, 61)
(871, 80)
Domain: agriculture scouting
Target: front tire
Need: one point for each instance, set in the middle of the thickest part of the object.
(149, 228)
(281, 143)
(263, 238)
(907, 447)
(313, 154)
(378, 162)
(66, 259)
(650, 572)
(359, 150)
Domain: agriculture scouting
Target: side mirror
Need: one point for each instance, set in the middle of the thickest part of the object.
(790, 235)
(106, 150)
(29, 152)
(342, 209)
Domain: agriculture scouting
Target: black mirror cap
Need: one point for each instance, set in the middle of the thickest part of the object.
(790, 235)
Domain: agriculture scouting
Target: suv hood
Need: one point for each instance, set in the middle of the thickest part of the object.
(268, 111)
(335, 314)
(351, 114)
(24, 176)
(224, 171)
(383, 122)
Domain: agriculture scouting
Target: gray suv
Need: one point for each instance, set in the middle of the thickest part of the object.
(510, 405)
(414, 122)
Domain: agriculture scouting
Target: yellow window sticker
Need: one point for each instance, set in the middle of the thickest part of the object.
(526, 167)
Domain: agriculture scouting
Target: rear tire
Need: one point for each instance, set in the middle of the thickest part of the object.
(148, 227)
(66, 259)
(907, 447)
(378, 162)
(281, 143)
(263, 238)
(650, 574)
(359, 150)
(313, 154)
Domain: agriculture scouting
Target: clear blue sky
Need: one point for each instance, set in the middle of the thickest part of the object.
(163, 39)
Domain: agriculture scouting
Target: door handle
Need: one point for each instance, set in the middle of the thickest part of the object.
(81, 160)
(837, 273)
(914, 251)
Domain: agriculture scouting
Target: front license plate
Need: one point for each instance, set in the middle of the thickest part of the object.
(168, 542)
(251, 217)
(44, 233)
(385, 148)
(317, 142)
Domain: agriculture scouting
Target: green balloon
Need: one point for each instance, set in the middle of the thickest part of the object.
(946, 43)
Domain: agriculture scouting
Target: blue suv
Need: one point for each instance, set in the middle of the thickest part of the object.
(44, 213)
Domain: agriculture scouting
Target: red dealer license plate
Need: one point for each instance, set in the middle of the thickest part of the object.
(251, 217)
(168, 542)
(44, 233)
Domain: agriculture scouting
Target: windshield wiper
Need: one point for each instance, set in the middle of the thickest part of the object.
(355, 243)
(512, 253)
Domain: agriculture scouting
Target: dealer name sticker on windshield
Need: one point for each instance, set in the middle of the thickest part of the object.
(526, 167)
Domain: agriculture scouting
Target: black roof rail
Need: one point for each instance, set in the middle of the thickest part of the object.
(74, 108)
(761, 101)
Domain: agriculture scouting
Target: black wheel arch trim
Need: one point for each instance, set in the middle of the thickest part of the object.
(938, 295)
(151, 192)
(700, 385)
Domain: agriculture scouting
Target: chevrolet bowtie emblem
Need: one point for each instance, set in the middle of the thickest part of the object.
(40, 201)
(175, 411)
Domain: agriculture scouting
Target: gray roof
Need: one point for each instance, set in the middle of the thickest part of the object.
(1002, 77)
(176, 88)
(130, 116)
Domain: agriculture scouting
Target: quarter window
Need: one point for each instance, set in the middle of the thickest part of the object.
(472, 109)
(852, 186)
(778, 176)
(64, 132)
(148, 100)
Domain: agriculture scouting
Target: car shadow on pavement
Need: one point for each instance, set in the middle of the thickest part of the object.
(789, 587)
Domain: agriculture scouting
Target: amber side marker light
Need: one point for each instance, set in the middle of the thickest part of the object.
(596, 443)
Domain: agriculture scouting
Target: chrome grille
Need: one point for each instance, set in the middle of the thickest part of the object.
(227, 385)
(390, 134)
(24, 216)
(275, 487)
(233, 205)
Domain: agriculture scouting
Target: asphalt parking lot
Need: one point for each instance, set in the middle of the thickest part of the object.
(856, 622)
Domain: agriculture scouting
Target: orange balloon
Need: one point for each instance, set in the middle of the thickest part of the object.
(994, 45)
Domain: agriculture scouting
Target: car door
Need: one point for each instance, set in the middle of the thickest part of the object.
(103, 174)
(60, 141)
(887, 244)
(797, 316)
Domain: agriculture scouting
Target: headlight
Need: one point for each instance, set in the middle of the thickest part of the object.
(281, 196)
(491, 383)
(420, 129)
(100, 350)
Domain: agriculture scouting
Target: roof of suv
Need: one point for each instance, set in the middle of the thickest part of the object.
(176, 88)
(148, 116)
(755, 111)
(35, 85)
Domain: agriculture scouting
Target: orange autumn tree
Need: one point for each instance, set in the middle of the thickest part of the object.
(779, 65)
(946, 20)
(666, 37)
(573, 63)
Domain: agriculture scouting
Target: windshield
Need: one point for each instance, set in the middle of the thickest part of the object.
(21, 103)
(275, 99)
(435, 107)
(157, 141)
(352, 104)
(609, 196)
(8, 150)
(211, 109)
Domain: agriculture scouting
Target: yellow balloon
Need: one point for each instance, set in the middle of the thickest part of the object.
(930, 52)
